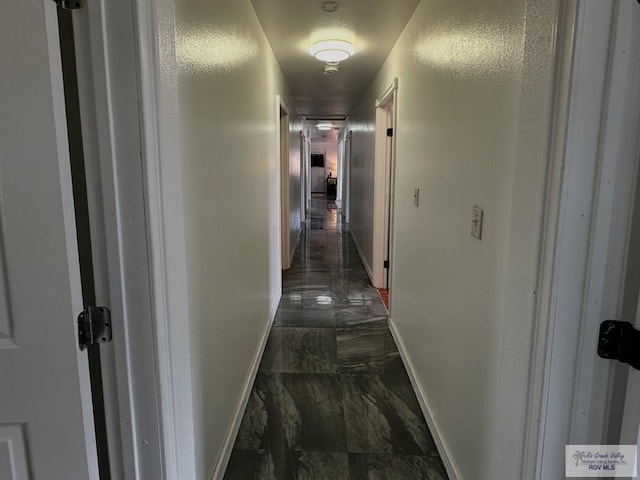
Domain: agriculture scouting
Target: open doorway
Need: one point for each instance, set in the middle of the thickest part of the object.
(383, 191)
(318, 173)
(325, 162)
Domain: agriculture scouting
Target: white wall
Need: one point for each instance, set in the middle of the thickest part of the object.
(472, 128)
(228, 80)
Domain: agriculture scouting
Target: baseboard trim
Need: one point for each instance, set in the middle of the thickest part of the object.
(223, 461)
(438, 438)
(364, 260)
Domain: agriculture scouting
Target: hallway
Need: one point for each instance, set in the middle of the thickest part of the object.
(332, 399)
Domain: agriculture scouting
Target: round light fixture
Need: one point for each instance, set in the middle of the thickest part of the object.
(324, 126)
(332, 50)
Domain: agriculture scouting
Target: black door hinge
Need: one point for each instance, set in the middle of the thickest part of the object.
(619, 341)
(94, 326)
(386, 264)
(70, 4)
(389, 132)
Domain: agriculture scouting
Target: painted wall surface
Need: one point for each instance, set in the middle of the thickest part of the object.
(228, 80)
(472, 129)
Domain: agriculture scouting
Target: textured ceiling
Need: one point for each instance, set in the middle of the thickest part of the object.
(290, 26)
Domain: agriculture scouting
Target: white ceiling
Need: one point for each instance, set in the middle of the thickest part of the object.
(291, 24)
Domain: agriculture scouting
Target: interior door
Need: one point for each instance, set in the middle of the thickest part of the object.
(46, 422)
(629, 427)
(631, 416)
(628, 31)
(387, 193)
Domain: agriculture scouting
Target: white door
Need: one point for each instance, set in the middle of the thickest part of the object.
(46, 422)
(630, 434)
(628, 37)
(388, 165)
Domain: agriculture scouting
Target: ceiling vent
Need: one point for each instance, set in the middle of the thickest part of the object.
(331, 68)
(330, 6)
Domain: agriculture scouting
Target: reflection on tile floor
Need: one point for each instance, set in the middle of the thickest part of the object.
(332, 399)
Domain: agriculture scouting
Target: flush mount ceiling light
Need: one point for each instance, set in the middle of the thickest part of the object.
(332, 50)
(324, 126)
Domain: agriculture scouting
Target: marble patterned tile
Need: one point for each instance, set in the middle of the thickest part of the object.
(359, 315)
(317, 223)
(259, 465)
(367, 350)
(395, 467)
(253, 432)
(332, 400)
(321, 466)
(352, 293)
(306, 287)
(304, 411)
(319, 302)
(300, 350)
(314, 318)
(307, 311)
(382, 415)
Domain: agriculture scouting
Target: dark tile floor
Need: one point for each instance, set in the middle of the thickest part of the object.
(332, 399)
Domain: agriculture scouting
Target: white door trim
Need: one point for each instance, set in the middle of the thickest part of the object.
(136, 249)
(303, 178)
(383, 171)
(138, 239)
(282, 155)
(346, 196)
(588, 215)
(340, 172)
(621, 140)
(538, 370)
(94, 93)
(163, 178)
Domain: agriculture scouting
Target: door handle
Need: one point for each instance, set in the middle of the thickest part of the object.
(619, 341)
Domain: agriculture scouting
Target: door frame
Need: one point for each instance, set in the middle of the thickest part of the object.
(308, 165)
(385, 153)
(167, 248)
(589, 197)
(303, 177)
(339, 172)
(282, 153)
(137, 233)
(346, 175)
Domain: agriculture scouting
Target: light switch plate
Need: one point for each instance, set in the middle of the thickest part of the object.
(476, 222)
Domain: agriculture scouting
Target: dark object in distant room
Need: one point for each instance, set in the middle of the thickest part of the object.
(332, 187)
(317, 160)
